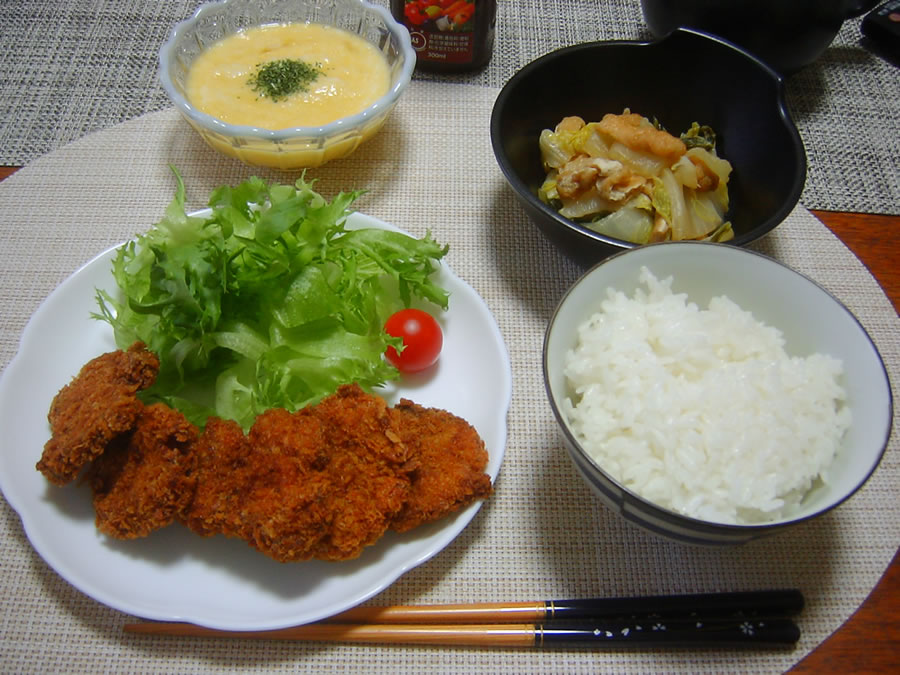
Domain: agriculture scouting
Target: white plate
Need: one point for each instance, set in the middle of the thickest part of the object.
(174, 575)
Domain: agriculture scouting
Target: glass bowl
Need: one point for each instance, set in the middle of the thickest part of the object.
(294, 147)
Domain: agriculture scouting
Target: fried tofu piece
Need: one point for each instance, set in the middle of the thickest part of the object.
(451, 461)
(636, 132)
(144, 480)
(96, 407)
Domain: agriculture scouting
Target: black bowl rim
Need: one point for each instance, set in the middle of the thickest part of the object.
(697, 524)
(523, 192)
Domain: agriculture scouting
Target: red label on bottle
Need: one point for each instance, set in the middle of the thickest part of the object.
(442, 31)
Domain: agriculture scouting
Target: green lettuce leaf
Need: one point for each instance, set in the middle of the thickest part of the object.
(269, 301)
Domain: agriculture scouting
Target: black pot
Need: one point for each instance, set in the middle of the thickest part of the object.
(786, 34)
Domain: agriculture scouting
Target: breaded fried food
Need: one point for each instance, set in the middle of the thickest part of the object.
(327, 480)
(267, 487)
(223, 455)
(451, 461)
(144, 480)
(96, 407)
(368, 470)
(282, 510)
(323, 482)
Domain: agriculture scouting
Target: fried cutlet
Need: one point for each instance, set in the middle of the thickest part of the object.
(223, 453)
(326, 479)
(145, 479)
(369, 471)
(451, 460)
(281, 506)
(323, 482)
(97, 406)
(266, 487)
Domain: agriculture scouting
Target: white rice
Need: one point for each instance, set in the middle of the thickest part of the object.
(701, 410)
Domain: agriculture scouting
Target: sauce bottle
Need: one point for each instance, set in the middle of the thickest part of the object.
(449, 35)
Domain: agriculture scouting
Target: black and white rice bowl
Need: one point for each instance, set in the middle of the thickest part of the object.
(810, 319)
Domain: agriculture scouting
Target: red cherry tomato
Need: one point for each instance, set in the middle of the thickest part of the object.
(422, 340)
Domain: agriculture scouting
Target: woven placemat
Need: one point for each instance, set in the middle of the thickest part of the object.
(83, 65)
(543, 534)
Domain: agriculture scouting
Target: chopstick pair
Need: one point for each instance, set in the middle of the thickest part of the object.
(751, 618)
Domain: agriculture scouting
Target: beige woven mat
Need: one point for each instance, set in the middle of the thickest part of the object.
(542, 535)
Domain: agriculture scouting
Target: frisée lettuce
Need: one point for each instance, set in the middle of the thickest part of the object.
(267, 300)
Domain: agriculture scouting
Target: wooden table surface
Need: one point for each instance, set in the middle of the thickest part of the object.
(867, 642)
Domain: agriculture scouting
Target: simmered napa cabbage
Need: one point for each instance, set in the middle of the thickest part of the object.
(627, 178)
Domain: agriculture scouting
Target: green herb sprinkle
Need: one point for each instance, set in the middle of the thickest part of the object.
(279, 79)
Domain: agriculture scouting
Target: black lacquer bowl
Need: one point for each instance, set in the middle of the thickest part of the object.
(686, 76)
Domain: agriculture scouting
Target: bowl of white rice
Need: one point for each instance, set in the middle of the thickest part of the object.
(712, 395)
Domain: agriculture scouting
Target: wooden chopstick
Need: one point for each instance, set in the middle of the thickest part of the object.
(779, 602)
(677, 633)
(755, 618)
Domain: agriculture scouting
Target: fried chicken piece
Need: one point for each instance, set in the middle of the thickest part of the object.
(144, 480)
(323, 482)
(282, 509)
(223, 454)
(96, 407)
(368, 470)
(451, 460)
